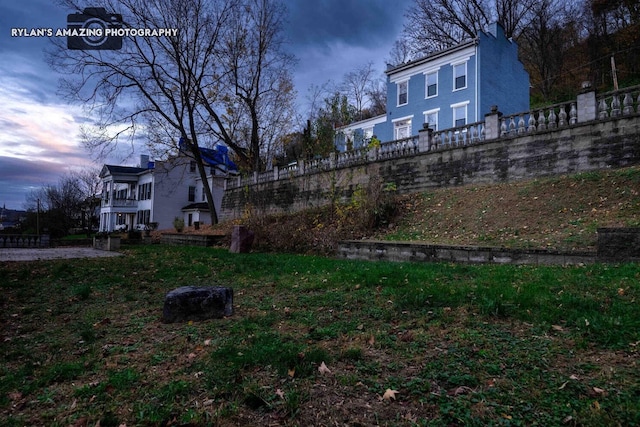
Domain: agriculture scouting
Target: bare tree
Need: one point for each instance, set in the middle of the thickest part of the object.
(433, 25)
(377, 93)
(356, 85)
(258, 72)
(173, 89)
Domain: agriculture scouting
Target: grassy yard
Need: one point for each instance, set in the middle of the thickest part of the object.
(318, 341)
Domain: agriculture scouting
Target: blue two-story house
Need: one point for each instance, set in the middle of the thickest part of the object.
(447, 89)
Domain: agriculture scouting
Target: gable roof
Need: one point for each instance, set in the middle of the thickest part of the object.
(121, 170)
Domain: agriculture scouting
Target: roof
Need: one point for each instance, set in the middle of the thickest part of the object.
(430, 57)
(216, 156)
(203, 206)
(121, 170)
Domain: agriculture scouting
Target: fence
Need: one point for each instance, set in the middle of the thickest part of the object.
(588, 107)
(24, 241)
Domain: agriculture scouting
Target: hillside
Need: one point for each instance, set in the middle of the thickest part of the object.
(560, 212)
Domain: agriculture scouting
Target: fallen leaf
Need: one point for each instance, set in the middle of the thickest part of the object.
(80, 422)
(461, 390)
(557, 328)
(598, 390)
(372, 340)
(292, 372)
(207, 341)
(280, 393)
(323, 369)
(390, 394)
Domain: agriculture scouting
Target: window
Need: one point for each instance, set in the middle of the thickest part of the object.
(192, 194)
(367, 133)
(144, 217)
(432, 84)
(402, 129)
(144, 191)
(431, 118)
(121, 194)
(460, 76)
(459, 114)
(403, 92)
(192, 166)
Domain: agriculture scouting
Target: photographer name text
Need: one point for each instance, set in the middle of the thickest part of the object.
(94, 32)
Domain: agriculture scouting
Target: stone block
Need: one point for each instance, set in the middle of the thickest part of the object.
(241, 239)
(197, 303)
(618, 244)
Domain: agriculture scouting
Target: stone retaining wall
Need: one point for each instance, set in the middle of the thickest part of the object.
(420, 252)
(611, 143)
(189, 239)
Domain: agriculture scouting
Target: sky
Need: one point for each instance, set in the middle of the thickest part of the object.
(40, 131)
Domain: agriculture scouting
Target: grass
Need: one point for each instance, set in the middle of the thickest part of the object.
(82, 342)
(561, 212)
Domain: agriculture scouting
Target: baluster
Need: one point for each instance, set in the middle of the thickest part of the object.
(482, 133)
(447, 139)
(532, 123)
(503, 127)
(512, 126)
(433, 144)
(602, 109)
(615, 106)
(573, 114)
(521, 128)
(552, 119)
(627, 104)
(474, 134)
(541, 120)
(562, 116)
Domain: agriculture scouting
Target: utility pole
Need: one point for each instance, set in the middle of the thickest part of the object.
(614, 74)
(38, 218)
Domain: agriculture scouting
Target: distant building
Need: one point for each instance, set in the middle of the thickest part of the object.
(158, 192)
(447, 89)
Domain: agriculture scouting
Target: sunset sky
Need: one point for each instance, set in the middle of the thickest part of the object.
(39, 131)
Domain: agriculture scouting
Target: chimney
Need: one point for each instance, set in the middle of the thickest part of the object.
(144, 161)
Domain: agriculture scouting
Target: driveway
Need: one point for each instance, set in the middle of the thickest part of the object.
(35, 254)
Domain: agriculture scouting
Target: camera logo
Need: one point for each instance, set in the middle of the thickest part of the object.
(90, 30)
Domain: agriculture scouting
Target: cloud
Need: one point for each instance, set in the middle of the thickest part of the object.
(362, 23)
(40, 133)
(19, 177)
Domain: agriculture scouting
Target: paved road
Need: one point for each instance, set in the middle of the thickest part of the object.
(28, 254)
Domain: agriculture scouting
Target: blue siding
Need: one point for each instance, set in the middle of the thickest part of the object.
(492, 59)
(503, 80)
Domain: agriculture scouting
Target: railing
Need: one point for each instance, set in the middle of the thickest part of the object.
(542, 119)
(619, 103)
(458, 137)
(24, 241)
(609, 105)
(120, 203)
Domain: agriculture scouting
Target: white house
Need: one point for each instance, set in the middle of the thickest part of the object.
(158, 192)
